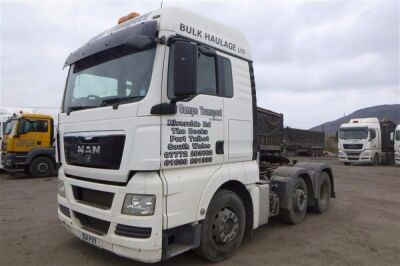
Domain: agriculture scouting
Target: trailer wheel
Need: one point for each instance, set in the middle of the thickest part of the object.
(376, 159)
(223, 228)
(322, 203)
(298, 201)
(41, 167)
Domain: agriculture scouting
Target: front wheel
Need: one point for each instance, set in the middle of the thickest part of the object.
(41, 167)
(223, 229)
(376, 159)
(298, 199)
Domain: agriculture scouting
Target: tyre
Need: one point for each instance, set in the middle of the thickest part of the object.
(322, 203)
(376, 159)
(41, 167)
(298, 204)
(223, 228)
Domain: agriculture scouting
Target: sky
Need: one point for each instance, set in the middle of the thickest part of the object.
(314, 61)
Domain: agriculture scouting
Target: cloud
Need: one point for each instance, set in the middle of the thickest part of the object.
(341, 54)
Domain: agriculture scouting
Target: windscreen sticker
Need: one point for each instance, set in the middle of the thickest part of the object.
(189, 140)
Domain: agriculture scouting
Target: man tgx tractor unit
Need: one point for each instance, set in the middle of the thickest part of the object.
(28, 145)
(157, 143)
(397, 145)
(366, 140)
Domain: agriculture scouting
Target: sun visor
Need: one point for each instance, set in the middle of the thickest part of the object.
(138, 36)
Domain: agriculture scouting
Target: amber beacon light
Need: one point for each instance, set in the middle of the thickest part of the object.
(128, 17)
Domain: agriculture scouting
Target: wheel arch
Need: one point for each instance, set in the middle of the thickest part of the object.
(240, 189)
(46, 152)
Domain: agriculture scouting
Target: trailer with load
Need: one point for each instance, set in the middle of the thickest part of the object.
(157, 142)
(366, 140)
(28, 145)
(303, 142)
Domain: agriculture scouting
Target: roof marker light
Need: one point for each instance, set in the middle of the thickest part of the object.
(128, 17)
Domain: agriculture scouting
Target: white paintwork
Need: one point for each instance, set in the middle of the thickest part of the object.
(397, 145)
(370, 147)
(182, 191)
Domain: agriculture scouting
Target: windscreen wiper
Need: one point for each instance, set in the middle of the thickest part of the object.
(77, 107)
(116, 101)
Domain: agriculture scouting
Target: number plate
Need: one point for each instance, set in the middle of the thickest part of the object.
(90, 239)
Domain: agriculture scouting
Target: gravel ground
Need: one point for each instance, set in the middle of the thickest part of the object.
(361, 228)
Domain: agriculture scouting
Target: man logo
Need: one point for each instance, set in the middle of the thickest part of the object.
(88, 149)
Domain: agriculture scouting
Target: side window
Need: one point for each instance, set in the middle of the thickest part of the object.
(35, 126)
(209, 80)
(206, 75)
(227, 80)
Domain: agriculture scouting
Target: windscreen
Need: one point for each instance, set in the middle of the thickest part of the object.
(353, 133)
(114, 76)
(8, 126)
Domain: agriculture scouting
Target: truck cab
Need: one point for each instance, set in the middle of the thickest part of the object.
(28, 144)
(157, 142)
(397, 145)
(365, 140)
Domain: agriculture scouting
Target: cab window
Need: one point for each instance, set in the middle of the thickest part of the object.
(35, 126)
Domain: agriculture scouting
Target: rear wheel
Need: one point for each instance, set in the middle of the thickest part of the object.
(298, 199)
(223, 228)
(322, 203)
(41, 167)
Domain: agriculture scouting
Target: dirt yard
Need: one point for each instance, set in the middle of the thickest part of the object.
(361, 228)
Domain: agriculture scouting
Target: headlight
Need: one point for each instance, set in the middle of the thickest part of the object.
(141, 205)
(61, 188)
(341, 153)
(365, 153)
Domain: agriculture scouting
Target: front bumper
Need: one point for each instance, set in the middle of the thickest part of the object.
(397, 157)
(147, 249)
(13, 161)
(351, 156)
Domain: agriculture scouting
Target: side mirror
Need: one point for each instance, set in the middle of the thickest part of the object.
(391, 136)
(185, 69)
(21, 128)
(372, 134)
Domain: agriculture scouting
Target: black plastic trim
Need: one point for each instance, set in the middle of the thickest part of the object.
(133, 231)
(254, 103)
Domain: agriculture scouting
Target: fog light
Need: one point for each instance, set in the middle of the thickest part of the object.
(61, 188)
(140, 205)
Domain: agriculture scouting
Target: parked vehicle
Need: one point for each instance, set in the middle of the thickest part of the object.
(158, 146)
(366, 140)
(3, 119)
(397, 145)
(28, 145)
(300, 142)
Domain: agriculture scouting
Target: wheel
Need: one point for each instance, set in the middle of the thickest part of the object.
(322, 203)
(346, 163)
(223, 229)
(26, 171)
(376, 159)
(298, 200)
(41, 166)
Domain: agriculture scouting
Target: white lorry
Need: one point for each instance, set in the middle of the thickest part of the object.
(397, 145)
(157, 143)
(366, 140)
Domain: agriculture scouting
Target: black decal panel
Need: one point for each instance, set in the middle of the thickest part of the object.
(103, 152)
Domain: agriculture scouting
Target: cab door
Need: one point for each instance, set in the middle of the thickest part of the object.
(33, 133)
(194, 135)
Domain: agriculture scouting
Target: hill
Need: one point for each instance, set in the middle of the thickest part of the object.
(388, 111)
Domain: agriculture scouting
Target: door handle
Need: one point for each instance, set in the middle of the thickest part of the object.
(219, 147)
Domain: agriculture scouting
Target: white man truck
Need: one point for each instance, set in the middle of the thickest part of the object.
(366, 140)
(157, 143)
(397, 145)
